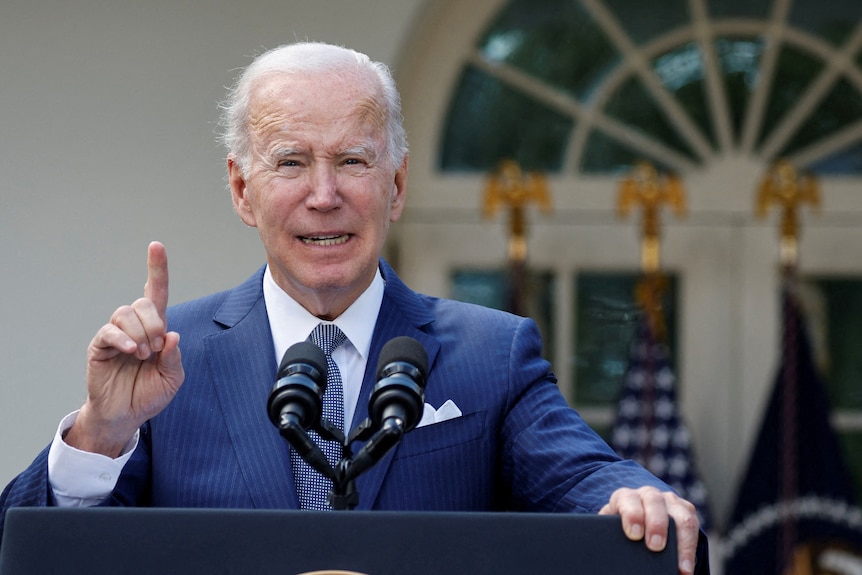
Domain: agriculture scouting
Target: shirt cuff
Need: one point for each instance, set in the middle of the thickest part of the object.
(80, 478)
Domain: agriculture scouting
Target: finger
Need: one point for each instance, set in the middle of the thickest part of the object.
(153, 324)
(687, 525)
(656, 518)
(627, 504)
(142, 324)
(156, 288)
(126, 321)
(170, 360)
(109, 342)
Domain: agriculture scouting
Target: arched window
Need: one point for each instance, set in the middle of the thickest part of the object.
(593, 86)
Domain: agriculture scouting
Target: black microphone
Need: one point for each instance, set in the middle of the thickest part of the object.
(399, 395)
(299, 386)
(295, 401)
(396, 402)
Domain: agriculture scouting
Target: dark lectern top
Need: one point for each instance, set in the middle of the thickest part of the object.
(45, 541)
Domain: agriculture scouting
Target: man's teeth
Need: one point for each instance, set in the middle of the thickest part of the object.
(325, 240)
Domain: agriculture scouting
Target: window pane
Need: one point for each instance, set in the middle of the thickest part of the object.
(643, 21)
(833, 308)
(605, 155)
(833, 21)
(491, 289)
(489, 121)
(681, 72)
(739, 60)
(632, 105)
(793, 74)
(553, 40)
(740, 8)
(607, 315)
(842, 107)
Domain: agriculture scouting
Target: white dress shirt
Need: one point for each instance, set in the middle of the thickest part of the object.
(81, 479)
(291, 323)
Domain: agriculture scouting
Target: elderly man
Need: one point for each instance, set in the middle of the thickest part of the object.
(317, 162)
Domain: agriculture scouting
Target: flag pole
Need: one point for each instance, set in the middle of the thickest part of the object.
(512, 188)
(783, 186)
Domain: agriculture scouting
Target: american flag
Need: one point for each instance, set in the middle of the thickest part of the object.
(648, 426)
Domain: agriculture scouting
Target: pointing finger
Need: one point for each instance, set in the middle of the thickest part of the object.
(156, 288)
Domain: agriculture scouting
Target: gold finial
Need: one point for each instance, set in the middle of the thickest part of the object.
(782, 185)
(511, 187)
(646, 187)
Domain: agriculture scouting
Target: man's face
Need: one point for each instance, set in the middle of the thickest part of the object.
(319, 185)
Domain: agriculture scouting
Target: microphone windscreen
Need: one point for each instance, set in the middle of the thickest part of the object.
(403, 349)
(303, 352)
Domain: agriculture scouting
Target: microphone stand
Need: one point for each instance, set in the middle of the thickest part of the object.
(343, 495)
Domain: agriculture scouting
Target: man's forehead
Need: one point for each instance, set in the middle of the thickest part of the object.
(315, 87)
(324, 94)
(284, 104)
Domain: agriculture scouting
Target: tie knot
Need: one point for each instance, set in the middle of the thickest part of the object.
(327, 336)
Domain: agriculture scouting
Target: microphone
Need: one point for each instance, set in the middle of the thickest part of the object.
(295, 401)
(299, 386)
(396, 402)
(399, 395)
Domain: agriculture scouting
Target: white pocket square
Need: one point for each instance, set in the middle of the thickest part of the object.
(447, 411)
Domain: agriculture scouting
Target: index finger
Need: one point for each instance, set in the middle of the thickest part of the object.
(156, 288)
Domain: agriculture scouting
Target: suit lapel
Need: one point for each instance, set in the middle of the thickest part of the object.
(401, 313)
(244, 368)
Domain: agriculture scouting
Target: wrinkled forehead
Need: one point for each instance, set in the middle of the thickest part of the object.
(318, 96)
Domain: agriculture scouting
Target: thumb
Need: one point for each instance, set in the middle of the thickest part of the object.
(170, 359)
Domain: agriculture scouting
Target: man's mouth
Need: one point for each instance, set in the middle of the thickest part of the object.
(325, 240)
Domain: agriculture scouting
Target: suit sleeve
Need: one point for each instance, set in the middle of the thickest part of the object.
(556, 462)
(29, 489)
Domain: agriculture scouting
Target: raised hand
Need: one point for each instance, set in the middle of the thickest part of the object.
(134, 367)
(645, 514)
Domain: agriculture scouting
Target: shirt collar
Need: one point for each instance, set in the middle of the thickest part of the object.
(291, 323)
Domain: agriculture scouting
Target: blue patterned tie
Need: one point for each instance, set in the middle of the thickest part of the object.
(312, 487)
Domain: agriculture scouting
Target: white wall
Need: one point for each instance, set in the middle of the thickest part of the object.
(107, 141)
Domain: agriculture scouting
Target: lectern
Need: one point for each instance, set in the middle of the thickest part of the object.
(188, 541)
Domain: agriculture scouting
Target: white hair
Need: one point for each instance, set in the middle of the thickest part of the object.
(310, 57)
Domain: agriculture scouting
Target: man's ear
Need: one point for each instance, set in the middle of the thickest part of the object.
(399, 192)
(239, 192)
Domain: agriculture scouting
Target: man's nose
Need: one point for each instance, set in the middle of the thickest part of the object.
(323, 193)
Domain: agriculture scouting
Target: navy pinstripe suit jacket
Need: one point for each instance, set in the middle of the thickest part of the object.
(517, 446)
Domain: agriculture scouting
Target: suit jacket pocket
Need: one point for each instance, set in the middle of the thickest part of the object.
(469, 427)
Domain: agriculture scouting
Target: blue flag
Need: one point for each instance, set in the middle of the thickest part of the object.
(649, 428)
(795, 507)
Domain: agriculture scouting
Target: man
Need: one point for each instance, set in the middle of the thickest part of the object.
(317, 162)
